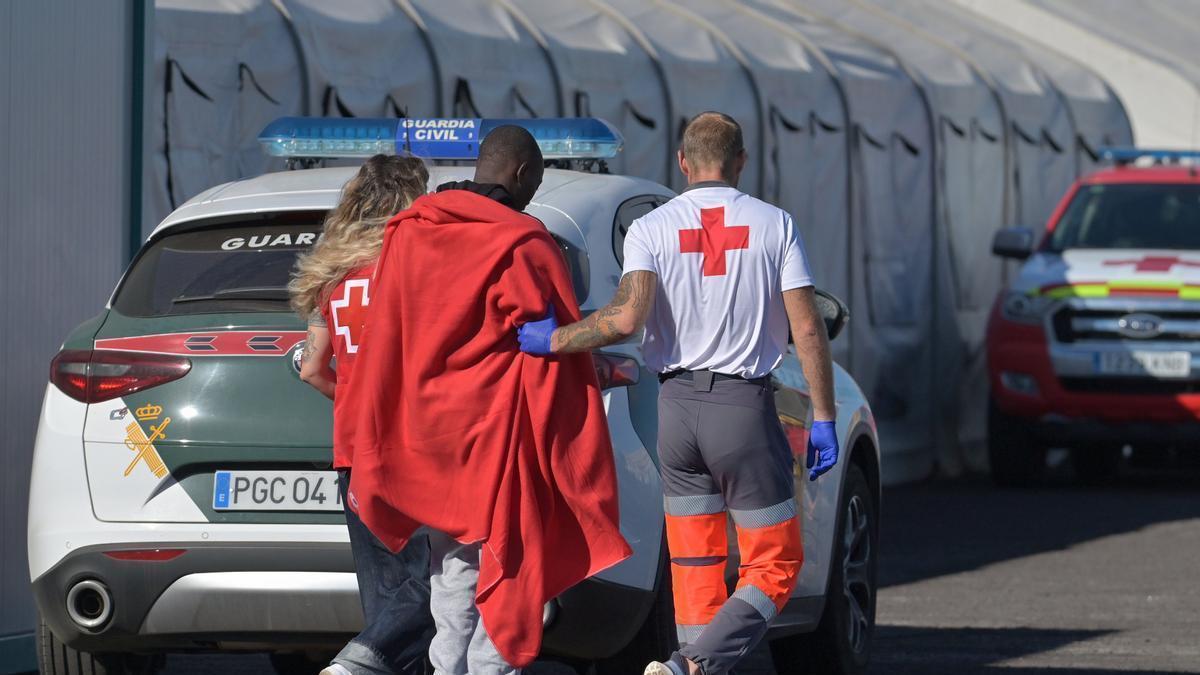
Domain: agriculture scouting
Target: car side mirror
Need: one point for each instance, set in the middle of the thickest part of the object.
(833, 311)
(1013, 242)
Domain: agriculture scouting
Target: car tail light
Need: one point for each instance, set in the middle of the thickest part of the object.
(92, 376)
(147, 555)
(614, 370)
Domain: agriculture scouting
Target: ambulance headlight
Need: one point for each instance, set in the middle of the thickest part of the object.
(1022, 307)
(432, 138)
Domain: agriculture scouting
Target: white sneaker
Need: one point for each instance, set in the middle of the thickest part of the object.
(335, 669)
(663, 668)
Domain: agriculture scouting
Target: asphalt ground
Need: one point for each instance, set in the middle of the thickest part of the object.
(1058, 579)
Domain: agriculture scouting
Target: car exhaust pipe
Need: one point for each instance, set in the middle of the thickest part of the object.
(89, 604)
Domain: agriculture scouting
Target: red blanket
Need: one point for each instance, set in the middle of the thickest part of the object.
(457, 429)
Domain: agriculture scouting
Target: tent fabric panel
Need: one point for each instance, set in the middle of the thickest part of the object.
(701, 74)
(363, 57)
(490, 65)
(220, 77)
(604, 72)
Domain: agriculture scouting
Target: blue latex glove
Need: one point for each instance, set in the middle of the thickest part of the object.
(535, 335)
(822, 449)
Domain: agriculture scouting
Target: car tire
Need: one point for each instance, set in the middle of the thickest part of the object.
(1015, 455)
(1096, 464)
(655, 640)
(56, 658)
(841, 643)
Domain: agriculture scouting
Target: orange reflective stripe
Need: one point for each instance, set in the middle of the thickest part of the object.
(699, 592)
(771, 559)
(697, 536)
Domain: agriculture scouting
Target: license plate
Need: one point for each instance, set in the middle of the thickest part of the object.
(276, 491)
(1153, 364)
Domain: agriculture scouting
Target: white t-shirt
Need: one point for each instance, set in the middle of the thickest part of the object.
(723, 260)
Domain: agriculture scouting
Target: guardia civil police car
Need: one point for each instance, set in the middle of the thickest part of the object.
(182, 497)
(1096, 343)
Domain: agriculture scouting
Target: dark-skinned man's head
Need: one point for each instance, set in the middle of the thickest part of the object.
(509, 156)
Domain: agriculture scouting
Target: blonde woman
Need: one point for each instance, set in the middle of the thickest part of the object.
(331, 288)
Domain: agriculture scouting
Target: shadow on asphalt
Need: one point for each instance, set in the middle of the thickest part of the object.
(904, 650)
(942, 527)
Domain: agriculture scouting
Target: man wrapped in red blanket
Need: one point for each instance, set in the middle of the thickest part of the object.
(504, 456)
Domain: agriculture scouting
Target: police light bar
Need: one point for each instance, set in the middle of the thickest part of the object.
(1126, 155)
(433, 138)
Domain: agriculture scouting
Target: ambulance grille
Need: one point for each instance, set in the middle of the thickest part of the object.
(1075, 324)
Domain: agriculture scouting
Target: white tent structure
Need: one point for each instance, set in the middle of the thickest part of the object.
(971, 187)
(1145, 50)
(703, 69)
(491, 60)
(1040, 132)
(608, 69)
(362, 58)
(892, 230)
(223, 77)
(899, 133)
(1096, 114)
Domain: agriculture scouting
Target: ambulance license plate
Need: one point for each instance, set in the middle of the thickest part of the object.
(276, 491)
(1152, 364)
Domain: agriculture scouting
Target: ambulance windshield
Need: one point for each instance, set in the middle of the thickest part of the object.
(1134, 215)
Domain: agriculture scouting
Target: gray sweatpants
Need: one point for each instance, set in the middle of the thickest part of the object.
(461, 645)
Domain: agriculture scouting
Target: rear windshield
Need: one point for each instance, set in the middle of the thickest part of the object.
(1130, 216)
(241, 265)
(234, 266)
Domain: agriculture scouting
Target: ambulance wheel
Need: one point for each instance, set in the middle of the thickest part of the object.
(1096, 464)
(842, 641)
(655, 640)
(56, 658)
(1013, 452)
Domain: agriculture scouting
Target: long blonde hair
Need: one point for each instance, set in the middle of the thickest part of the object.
(353, 232)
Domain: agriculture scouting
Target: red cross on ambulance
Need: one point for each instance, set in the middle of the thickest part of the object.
(1153, 263)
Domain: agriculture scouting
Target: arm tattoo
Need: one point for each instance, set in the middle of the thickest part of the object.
(623, 316)
(310, 348)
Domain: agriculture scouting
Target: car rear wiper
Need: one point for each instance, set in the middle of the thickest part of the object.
(264, 293)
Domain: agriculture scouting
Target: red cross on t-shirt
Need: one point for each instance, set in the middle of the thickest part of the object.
(713, 239)
(350, 313)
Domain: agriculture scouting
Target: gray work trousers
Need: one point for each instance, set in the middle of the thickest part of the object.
(723, 454)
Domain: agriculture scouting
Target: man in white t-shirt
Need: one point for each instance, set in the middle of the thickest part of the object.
(716, 277)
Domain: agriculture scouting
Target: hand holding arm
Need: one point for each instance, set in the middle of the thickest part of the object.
(622, 317)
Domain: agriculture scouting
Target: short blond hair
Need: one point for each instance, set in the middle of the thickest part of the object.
(712, 140)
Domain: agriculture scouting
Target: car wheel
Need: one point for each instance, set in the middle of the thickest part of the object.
(841, 644)
(1013, 452)
(655, 640)
(56, 658)
(1096, 463)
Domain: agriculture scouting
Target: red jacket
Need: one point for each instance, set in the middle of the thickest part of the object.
(457, 429)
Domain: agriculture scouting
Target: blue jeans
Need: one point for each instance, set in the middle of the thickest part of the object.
(394, 589)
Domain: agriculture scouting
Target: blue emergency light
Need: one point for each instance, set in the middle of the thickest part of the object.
(432, 138)
(1128, 155)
